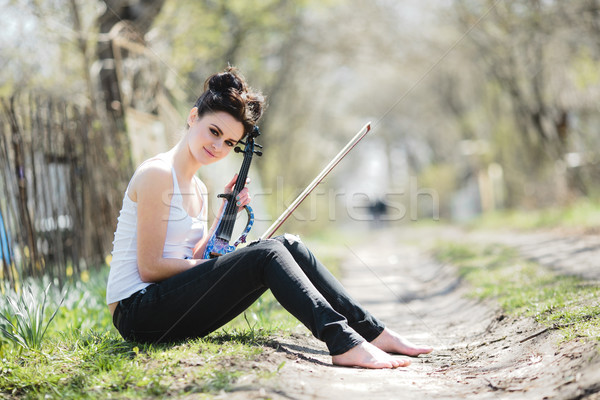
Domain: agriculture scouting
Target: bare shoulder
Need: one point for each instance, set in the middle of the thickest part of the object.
(152, 178)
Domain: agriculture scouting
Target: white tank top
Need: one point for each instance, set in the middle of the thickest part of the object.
(183, 232)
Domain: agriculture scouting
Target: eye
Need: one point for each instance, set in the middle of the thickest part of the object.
(214, 132)
(229, 143)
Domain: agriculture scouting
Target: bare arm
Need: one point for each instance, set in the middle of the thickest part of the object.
(152, 188)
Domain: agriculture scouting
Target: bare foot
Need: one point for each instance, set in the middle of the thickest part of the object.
(367, 356)
(391, 342)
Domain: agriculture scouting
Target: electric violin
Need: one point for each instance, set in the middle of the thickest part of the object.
(218, 243)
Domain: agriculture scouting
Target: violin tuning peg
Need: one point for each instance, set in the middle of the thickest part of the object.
(258, 152)
(258, 145)
(238, 150)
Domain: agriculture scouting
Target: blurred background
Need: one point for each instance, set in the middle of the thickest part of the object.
(477, 108)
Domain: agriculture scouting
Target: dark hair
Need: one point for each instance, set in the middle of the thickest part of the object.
(227, 91)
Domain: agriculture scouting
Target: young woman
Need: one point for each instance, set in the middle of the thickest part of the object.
(160, 290)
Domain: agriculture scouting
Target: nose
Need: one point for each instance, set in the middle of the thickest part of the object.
(217, 144)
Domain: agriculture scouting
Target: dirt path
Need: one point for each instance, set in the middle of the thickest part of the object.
(479, 352)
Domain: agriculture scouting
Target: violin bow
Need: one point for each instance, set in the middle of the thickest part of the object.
(353, 142)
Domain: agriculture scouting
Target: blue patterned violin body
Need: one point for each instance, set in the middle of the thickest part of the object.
(218, 243)
(217, 247)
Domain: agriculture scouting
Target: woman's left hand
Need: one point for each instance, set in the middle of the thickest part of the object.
(243, 197)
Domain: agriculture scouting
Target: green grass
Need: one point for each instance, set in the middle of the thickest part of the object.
(527, 289)
(96, 365)
(583, 213)
(82, 356)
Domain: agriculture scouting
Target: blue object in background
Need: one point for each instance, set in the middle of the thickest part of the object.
(5, 250)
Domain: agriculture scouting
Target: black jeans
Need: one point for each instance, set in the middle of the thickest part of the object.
(204, 298)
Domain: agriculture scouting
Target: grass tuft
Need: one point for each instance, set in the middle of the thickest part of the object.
(525, 288)
(24, 317)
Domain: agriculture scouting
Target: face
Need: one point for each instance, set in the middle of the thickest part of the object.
(212, 136)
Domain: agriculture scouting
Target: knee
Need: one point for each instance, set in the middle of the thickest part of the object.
(294, 246)
(289, 241)
(270, 247)
(283, 245)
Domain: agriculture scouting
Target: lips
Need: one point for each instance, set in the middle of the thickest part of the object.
(208, 152)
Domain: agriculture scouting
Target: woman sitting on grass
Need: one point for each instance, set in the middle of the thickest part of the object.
(160, 290)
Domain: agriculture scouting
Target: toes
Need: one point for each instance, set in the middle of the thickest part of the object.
(400, 362)
(384, 365)
(419, 350)
(368, 356)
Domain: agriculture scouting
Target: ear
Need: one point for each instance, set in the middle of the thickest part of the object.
(192, 116)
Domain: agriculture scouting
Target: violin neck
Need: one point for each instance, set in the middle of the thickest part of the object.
(225, 228)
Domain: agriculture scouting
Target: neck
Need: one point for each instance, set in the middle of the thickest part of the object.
(183, 162)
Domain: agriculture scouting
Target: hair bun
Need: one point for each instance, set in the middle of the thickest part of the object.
(228, 91)
(224, 81)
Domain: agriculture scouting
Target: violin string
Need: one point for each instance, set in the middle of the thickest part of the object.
(230, 214)
(227, 219)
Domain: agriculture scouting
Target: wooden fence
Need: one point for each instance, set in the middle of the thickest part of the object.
(62, 178)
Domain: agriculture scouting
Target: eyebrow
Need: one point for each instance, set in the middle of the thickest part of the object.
(217, 128)
(221, 132)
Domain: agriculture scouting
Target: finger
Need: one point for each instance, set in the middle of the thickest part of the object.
(231, 184)
(242, 203)
(243, 198)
